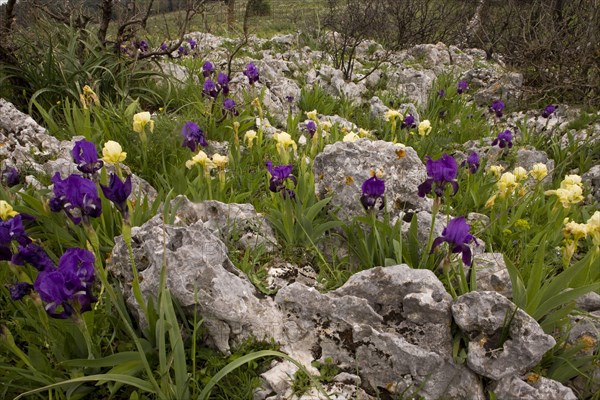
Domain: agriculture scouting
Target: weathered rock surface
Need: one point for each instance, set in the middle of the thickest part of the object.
(342, 167)
(492, 274)
(238, 225)
(533, 388)
(503, 340)
(199, 276)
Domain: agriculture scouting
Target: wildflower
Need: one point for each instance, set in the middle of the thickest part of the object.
(164, 46)
(364, 133)
(202, 160)
(593, 227)
(229, 107)
(539, 171)
(457, 235)
(503, 139)
(289, 99)
(326, 125)
(209, 88)
(192, 43)
(491, 201)
(118, 191)
(88, 97)
(193, 136)
(142, 46)
(280, 174)
(520, 173)
(77, 196)
(112, 153)
(183, 51)
(440, 173)
(462, 86)
(351, 137)
(472, 162)
(68, 285)
(6, 210)
(208, 69)
(140, 120)
(34, 255)
(507, 184)
(284, 142)
(252, 73)
(220, 161)
(441, 93)
(569, 192)
(20, 290)
(409, 122)
(548, 111)
(12, 229)
(496, 170)
(312, 115)
(86, 156)
(575, 230)
(497, 107)
(424, 128)
(372, 193)
(223, 83)
(249, 137)
(10, 176)
(311, 127)
(392, 115)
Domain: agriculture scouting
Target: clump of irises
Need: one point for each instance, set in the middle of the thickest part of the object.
(441, 173)
(497, 108)
(251, 73)
(373, 190)
(472, 162)
(281, 177)
(457, 235)
(504, 139)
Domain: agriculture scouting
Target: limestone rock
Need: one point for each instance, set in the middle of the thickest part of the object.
(534, 387)
(492, 274)
(342, 167)
(238, 225)
(483, 317)
(200, 277)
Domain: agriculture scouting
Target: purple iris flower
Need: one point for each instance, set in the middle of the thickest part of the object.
(472, 162)
(279, 175)
(192, 43)
(223, 83)
(164, 46)
(372, 193)
(548, 111)
(311, 127)
(183, 51)
(504, 139)
(457, 235)
(193, 136)
(70, 283)
(10, 176)
(252, 73)
(440, 173)
(209, 88)
(118, 191)
(208, 69)
(20, 290)
(12, 229)
(409, 122)
(497, 107)
(442, 93)
(34, 255)
(289, 99)
(77, 196)
(229, 107)
(462, 86)
(142, 45)
(86, 156)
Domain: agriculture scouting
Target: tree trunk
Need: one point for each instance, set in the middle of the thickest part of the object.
(105, 20)
(230, 13)
(9, 18)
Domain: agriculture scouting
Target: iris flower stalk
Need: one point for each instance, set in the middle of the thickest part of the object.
(256, 104)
